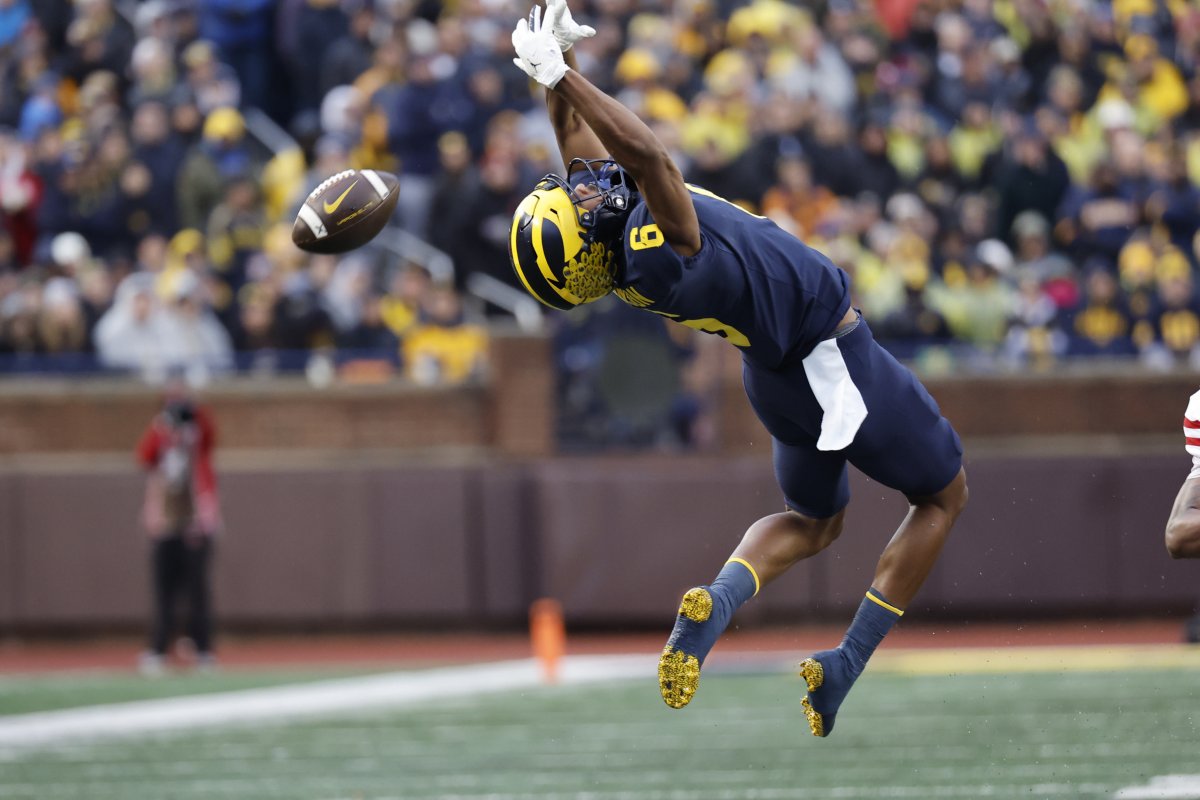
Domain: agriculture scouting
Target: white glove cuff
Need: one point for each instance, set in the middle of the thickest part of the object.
(553, 75)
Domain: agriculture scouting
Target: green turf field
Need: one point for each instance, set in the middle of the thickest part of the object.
(1026, 735)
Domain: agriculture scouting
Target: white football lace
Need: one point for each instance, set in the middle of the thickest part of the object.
(325, 184)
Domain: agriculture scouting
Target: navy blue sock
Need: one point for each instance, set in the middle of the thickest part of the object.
(875, 617)
(735, 584)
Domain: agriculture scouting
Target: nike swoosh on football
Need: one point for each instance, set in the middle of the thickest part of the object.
(332, 207)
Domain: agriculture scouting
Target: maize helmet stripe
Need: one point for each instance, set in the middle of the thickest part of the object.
(522, 253)
(544, 259)
(520, 220)
(539, 246)
(543, 247)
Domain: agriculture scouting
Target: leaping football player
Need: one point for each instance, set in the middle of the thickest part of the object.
(1183, 526)
(624, 221)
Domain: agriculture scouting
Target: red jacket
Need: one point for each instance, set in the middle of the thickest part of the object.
(181, 490)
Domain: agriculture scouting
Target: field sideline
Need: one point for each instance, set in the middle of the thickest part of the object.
(1030, 722)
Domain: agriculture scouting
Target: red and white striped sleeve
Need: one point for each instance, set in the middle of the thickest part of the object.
(1191, 433)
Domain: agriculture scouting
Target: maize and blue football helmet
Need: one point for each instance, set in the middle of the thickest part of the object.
(566, 254)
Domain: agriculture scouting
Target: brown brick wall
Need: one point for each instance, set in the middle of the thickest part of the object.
(511, 414)
(1104, 404)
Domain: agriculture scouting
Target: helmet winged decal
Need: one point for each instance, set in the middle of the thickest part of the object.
(564, 253)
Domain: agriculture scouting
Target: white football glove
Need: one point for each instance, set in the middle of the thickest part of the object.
(566, 31)
(538, 55)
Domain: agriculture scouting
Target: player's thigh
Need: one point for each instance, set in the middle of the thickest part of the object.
(814, 482)
(905, 442)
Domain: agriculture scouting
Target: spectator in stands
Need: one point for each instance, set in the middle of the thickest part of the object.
(241, 31)
(456, 192)
(300, 321)
(1030, 176)
(418, 112)
(161, 152)
(972, 140)
(130, 335)
(99, 39)
(979, 309)
(833, 154)
(1035, 338)
(1176, 322)
(221, 156)
(40, 109)
(370, 335)
(915, 322)
(939, 183)
(874, 172)
(484, 243)
(181, 514)
(794, 203)
(980, 110)
(18, 317)
(401, 307)
(211, 83)
(194, 341)
(153, 71)
(443, 348)
(318, 25)
(350, 55)
(235, 232)
(62, 326)
(20, 193)
(1175, 204)
(1101, 324)
(1101, 217)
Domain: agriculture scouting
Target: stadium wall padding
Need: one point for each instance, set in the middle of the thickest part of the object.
(469, 542)
(513, 412)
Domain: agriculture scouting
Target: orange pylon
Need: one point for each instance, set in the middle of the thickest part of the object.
(548, 635)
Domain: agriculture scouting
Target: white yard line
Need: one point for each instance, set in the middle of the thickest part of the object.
(1164, 787)
(394, 690)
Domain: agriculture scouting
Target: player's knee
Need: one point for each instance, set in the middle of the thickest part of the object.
(951, 500)
(819, 533)
(826, 531)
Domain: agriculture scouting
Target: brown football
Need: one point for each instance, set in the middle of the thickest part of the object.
(346, 211)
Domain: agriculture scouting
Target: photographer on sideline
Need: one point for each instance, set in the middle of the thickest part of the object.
(181, 514)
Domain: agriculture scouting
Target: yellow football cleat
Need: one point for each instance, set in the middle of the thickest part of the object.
(814, 677)
(679, 670)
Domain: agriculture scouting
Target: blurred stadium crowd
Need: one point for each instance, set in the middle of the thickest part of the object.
(1010, 182)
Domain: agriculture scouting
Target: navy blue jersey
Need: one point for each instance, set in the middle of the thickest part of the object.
(751, 282)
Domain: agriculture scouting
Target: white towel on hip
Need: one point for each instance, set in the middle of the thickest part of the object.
(842, 406)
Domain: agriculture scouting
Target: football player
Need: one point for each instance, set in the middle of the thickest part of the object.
(1183, 526)
(624, 221)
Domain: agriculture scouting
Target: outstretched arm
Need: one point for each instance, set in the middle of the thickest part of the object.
(633, 145)
(1183, 528)
(575, 138)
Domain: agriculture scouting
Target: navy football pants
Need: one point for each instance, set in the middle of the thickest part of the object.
(904, 442)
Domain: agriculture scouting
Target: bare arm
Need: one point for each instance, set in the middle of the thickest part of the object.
(635, 147)
(575, 138)
(1183, 528)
